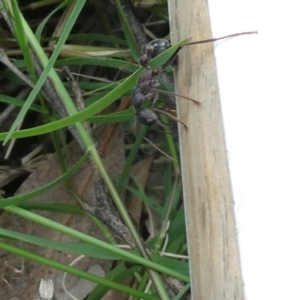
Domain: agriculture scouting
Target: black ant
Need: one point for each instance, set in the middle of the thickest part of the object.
(147, 84)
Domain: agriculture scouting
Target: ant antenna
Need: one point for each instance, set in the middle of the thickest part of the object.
(171, 59)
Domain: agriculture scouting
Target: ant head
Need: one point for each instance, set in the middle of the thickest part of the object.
(159, 46)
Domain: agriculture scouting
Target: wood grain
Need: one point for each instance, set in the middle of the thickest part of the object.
(212, 242)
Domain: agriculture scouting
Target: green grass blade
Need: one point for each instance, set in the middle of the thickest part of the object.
(56, 207)
(99, 61)
(122, 116)
(22, 40)
(79, 248)
(152, 204)
(93, 241)
(91, 250)
(84, 114)
(133, 45)
(74, 271)
(130, 159)
(22, 198)
(20, 103)
(118, 274)
(40, 28)
(69, 25)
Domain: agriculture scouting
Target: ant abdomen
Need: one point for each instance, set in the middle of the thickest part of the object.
(148, 117)
(139, 96)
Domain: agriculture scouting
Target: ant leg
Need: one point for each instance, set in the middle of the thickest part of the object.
(170, 116)
(175, 95)
(154, 97)
(161, 151)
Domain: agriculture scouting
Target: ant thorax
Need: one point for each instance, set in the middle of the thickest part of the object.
(152, 49)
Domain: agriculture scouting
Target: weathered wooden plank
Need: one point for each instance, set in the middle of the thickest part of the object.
(214, 256)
